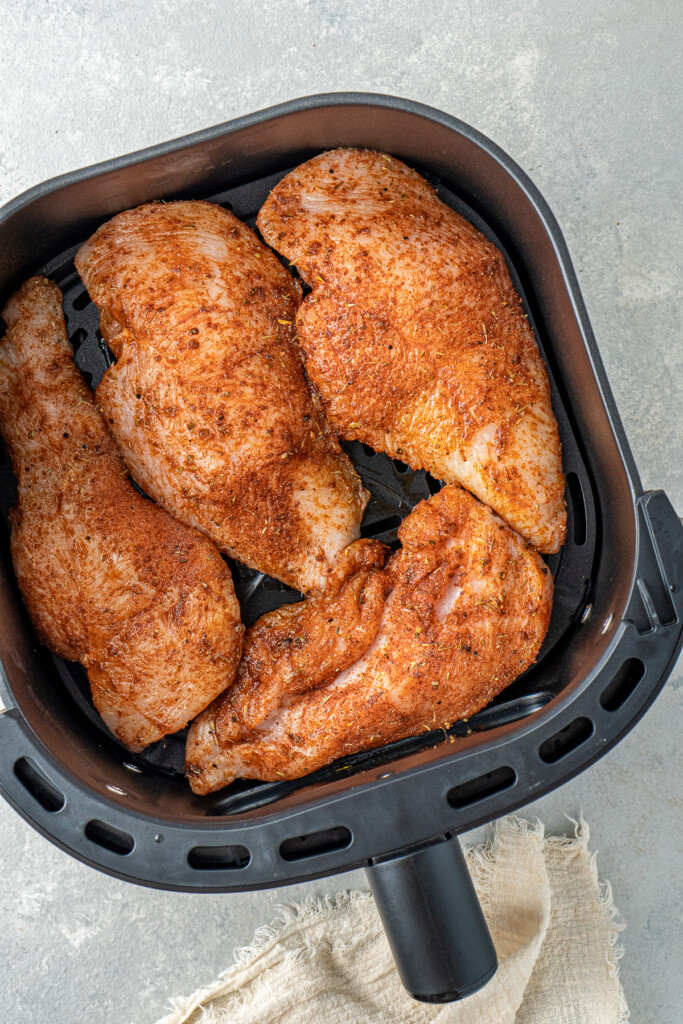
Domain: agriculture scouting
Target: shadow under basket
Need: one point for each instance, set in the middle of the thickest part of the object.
(613, 639)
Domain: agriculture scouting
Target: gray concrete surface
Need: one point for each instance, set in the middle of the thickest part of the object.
(586, 97)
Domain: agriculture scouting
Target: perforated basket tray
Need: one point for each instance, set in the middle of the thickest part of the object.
(615, 628)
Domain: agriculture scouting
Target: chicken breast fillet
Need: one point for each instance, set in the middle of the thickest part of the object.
(457, 614)
(207, 399)
(109, 579)
(415, 336)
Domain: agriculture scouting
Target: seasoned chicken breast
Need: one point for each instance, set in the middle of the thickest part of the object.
(109, 579)
(207, 399)
(415, 336)
(457, 614)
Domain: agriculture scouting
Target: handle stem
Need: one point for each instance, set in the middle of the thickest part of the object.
(436, 929)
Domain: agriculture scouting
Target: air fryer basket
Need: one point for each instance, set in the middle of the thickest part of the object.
(614, 634)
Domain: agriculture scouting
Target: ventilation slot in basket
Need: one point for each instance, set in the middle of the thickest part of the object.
(578, 508)
(218, 858)
(109, 837)
(484, 786)
(566, 740)
(33, 780)
(326, 841)
(622, 686)
(81, 301)
(656, 599)
(381, 526)
(77, 338)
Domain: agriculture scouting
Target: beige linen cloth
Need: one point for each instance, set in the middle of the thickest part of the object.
(553, 924)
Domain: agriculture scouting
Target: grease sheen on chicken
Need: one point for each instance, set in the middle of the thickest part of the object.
(383, 653)
(207, 399)
(109, 579)
(415, 336)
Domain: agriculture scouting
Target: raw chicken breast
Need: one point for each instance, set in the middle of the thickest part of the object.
(415, 336)
(383, 653)
(207, 399)
(109, 579)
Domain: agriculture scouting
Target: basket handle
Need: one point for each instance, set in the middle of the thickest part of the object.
(435, 927)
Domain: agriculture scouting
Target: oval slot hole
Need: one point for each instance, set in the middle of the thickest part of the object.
(327, 840)
(78, 337)
(510, 711)
(474, 790)
(578, 508)
(370, 452)
(81, 301)
(381, 526)
(40, 788)
(566, 740)
(618, 691)
(218, 858)
(109, 837)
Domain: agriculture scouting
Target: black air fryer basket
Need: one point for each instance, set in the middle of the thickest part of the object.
(613, 639)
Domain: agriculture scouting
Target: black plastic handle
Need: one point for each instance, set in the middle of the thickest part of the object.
(436, 929)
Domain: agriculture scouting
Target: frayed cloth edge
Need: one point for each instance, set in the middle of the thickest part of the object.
(290, 918)
(482, 857)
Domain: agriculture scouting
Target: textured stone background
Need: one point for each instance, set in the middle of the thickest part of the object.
(586, 97)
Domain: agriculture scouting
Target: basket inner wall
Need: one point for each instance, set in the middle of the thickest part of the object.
(54, 695)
